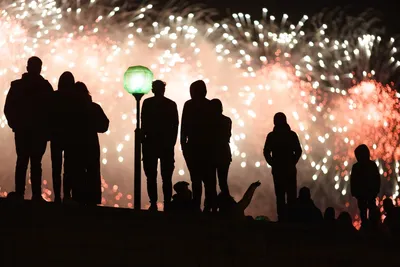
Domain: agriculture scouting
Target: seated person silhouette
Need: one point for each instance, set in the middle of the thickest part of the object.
(182, 200)
(228, 207)
(305, 210)
(365, 181)
(392, 219)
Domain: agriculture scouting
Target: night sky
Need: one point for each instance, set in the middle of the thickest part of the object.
(384, 9)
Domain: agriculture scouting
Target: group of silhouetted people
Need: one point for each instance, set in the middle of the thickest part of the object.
(205, 136)
(70, 120)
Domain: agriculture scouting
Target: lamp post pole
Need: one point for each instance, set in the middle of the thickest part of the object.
(138, 156)
(138, 82)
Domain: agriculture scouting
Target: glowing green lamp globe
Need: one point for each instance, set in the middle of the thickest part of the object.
(137, 80)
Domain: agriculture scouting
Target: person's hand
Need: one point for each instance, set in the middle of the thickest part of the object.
(256, 184)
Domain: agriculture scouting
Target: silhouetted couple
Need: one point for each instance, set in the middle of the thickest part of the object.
(68, 118)
(205, 135)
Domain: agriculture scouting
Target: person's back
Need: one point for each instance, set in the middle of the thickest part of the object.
(305, 209)
(28, 103)
(27, 110)
(364, 181)
(282, 151)
(284, 145)
(160, 121)
(159, 133)
(392, 219)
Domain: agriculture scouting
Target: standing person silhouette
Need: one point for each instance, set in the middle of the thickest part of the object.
(282, 151)
(27, 112)
(160, 130)
(196, 142)
(222, 151)
(365, 181)
(62, 103)
(85, 148)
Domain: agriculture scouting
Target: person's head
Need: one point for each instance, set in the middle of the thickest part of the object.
(182, 189)
(34, 65)
(82, 90)
(344, 219)
(304, 193)
(66, 81)
(362, 153)
(198, 90)
(280, 119)
(216, 106)
(329, 214)
(388, 205)
(158, 88)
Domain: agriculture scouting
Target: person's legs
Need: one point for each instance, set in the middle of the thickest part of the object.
(56, 163)
(167, 161)
(195, 176)
(222, 171)
(280, 195)
(23, 148)
(39, 144)
(210, 186)
(362, 206)
(150, 162)
(371, 205)
(291, 189)
(93, 176)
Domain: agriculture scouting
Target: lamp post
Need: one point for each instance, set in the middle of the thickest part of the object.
(137, 82)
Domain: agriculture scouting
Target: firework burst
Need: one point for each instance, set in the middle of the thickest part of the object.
(256, 68)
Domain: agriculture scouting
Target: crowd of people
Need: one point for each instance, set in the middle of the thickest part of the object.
(71, 121)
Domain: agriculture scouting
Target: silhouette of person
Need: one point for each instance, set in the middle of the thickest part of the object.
(62, 103)
(282, 151)
(182, 200)
(86, 149)
(27, 111)
(160, 130)
(345, 223)
(196, 142)
(228, 207)
(365, 181)
(222, 151)
(392, 218)
(305, 210)
(329, 215)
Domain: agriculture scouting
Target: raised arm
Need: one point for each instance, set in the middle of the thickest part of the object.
(245, 201)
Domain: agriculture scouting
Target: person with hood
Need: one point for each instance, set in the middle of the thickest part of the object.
(159, 132)
(365, 181)
(222, 152)
(196, 142)
(282, 151)
(27, 109)
(83, 150)
(63, 104)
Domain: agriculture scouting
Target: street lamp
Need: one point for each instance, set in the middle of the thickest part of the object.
(137, 82)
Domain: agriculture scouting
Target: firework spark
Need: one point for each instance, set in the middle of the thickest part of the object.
(313, 72)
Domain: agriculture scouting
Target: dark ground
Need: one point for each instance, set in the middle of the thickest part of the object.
(50, 235)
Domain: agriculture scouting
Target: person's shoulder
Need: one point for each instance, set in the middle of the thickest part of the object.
(169, 101)
(16, 83)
